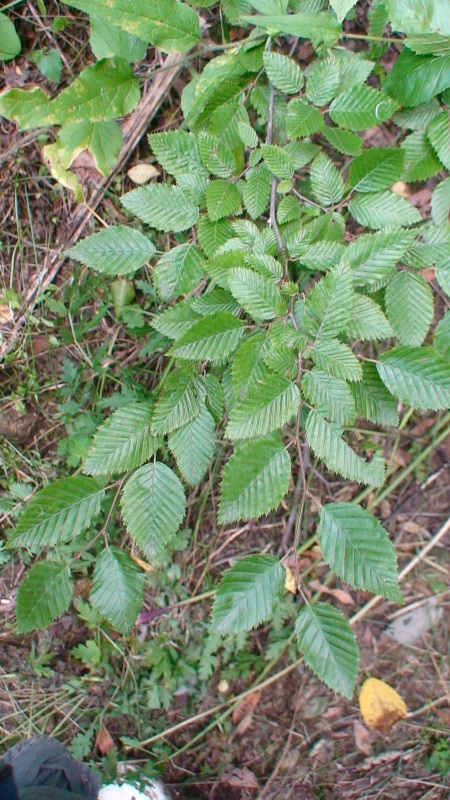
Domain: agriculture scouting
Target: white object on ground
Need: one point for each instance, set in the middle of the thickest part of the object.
(126, 791)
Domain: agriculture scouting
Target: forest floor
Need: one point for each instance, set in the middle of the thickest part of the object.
(233, 724)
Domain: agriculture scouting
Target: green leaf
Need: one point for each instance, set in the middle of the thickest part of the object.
(248, 135)
(179, 271)
(417, 118)
(117, 589)
(107, 41)
(342, 7)
(324, 77)
(419, 16)
(372, 400)
(302, 119)
(441, 341)
(258, 296)
(58, 513)
(376, 169)
(222, 199)
(170, 26)
(255, 479)
(212, 338)
(48, 62)
(44, 594)
(217, 157)
(178, 405)
(409, 307)
(283, 72)
(118, 250)
(328, 307)
(256, 191)
(56, 157)
(361, 107)
(440, 203)
(104, 91)
(219, 268)
(26, 107)
(431, 247)
(248, 364)
(439, 136)
(358, 549)
(335, 357)
(153, 507)
(212, 235)
(166, 208)
(329, 647)
(266, 406)
(214, 397)
(193, 447)
(368, 321)
(102, 139)
(176, 151)
(176, 320)
(326, 182)
(416, 79)
(343, 141)
(420, 159)
(247, 594)
(373, 256)
(429, 43)
(326, 440)
(10, 45)
(417, 375)
(326, 254)
(215, 300)
(382, 209)
(354, 69)
(278, 160)
(316, 27)
(122, 442)
(320, 387)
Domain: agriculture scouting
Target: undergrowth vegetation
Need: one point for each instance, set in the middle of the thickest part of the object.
(280, 270)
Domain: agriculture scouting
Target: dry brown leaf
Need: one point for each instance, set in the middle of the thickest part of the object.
(241, 778)
(380, 705)
(339, 594)
(244, 724)
(363, 738)
(142, 173)
(246, 706)
(105, 742)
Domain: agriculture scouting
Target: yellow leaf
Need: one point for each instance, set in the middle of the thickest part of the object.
(290, 583)
(380, 705)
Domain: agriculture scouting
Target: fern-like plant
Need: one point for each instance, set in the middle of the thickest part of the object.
(294, 248)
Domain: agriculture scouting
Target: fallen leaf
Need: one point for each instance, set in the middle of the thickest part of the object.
(314, 707)
(244, 725)
(105, 742)
(363, 739)
(339, 594)
(380, 705)
(401, 188)
(142, 564)
(240, 778)
(246, 706)
(411, 625)
(290, 583)
(141, 173)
